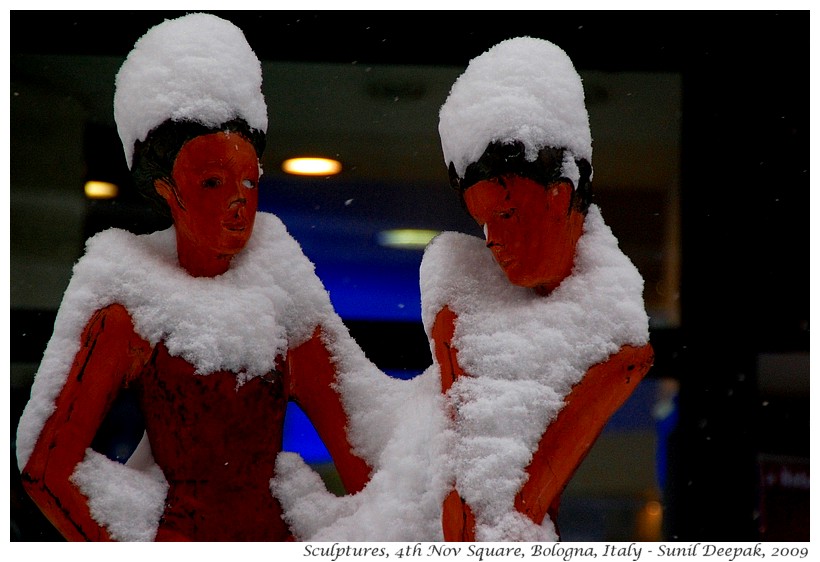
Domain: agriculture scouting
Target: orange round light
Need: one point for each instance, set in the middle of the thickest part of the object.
(312, 166)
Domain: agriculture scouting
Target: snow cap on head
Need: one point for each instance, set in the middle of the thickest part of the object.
(198, 68)
(522, 89)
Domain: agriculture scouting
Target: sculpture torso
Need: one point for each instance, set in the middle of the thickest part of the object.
(567, 440)
(216, 442)
(529, 372)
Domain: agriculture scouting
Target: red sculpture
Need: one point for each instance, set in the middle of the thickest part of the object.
(515, 136)
(216, 443)
(215, 435)
(532, 230)
(214, 406)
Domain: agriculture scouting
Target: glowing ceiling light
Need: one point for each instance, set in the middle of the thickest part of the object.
(407, 238)
(653, 508)
(312, 166)
(100, 190)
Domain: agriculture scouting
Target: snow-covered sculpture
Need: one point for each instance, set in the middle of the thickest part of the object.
(215, 323)
(540, 330)
(219, 321)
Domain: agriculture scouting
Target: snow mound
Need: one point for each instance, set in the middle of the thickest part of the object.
(198, 68)
(522, 89)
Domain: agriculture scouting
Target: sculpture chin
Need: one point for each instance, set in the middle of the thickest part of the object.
(524, 276)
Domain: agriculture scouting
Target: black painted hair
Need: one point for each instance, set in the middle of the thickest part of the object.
(502, 158)
(154, 157)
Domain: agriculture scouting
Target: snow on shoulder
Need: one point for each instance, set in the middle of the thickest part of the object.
(525, 353)
(271, 283)
(198, 68)
(522, 89)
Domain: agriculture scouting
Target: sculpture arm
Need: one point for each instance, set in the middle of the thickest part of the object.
(312, 386)
(110, 352)
(566, 442)
(457, 519)
(444, 327)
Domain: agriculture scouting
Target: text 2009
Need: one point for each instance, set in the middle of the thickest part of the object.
(791, 551)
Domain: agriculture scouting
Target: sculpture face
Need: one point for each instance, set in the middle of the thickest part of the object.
(214, 197)
(530, 229)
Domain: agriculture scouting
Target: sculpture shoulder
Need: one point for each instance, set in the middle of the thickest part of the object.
(114, 316)
(453, 263)
(111, 328)
(632, 358)
(619, 373)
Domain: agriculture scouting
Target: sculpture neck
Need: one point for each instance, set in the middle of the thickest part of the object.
(199, 261)
(546, 289)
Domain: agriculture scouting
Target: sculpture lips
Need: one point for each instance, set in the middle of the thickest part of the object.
(500, 256)
(235, 226)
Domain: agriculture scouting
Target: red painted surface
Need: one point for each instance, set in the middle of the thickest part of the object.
(531, 230)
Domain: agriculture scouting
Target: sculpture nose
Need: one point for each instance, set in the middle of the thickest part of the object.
(237, 207)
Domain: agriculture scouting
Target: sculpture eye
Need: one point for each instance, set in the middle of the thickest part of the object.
(250, 184)
(506, 214)
(211, 183)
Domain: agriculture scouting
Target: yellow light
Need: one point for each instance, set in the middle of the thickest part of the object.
(653, 508)
(407, 238)
(649, 526)
(312, 166)
(100, 190)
